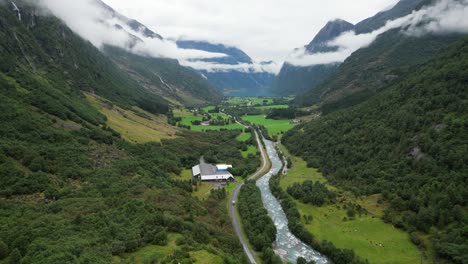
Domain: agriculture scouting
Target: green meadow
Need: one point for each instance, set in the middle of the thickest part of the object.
(367, 235)
(274, 127)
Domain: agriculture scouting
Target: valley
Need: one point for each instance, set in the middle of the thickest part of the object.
(198, 137)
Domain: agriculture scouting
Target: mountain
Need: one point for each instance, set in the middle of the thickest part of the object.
(248, 80)
(294, 80)
(407, 144)
(402, 8)
(297, 80)
(122, 20)
(164, 77)
(370, 70)
(72, 188)
(331, 30)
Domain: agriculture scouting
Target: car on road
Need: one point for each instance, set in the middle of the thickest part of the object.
(233, 202)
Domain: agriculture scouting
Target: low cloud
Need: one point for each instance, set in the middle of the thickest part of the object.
(446, 16)
(101, 27)
(270, 67)
(94, 22)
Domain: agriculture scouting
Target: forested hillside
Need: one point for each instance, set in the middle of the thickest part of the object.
(71, 189)
(408, 143)
(43, 51)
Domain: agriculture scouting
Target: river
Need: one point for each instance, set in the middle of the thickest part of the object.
(287, 245)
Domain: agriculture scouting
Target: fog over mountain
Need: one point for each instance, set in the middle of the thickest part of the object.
(446, 16)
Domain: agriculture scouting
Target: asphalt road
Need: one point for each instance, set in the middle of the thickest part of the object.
(237, 227)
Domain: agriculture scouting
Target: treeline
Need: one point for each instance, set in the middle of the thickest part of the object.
(285, 113)
(258, 226)
(327, 248)
(410, 144)
(315, 193)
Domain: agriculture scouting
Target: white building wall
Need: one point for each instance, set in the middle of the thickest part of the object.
(219, 177)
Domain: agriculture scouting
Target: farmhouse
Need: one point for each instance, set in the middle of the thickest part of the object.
(209, 172)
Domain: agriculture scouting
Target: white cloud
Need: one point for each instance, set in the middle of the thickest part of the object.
(271, 67)
(446, 16)
(97, 25)
(264, 29)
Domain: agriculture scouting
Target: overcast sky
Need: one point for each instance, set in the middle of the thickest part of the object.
(265, 29)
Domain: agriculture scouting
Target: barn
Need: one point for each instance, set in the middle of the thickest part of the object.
(210, 172)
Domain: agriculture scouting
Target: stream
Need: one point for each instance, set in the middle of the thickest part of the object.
(288, 246)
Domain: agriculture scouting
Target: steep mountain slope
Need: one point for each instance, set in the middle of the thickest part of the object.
(408, 143)
(371, 69)
(331, 30)
(298, 80)
(248, 80)
(44, 49)
(164, 77)
(402, 8)
(294, 80)
(71, 189)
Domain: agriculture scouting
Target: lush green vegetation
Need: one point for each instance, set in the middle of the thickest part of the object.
(258, 226)
(274, 127)
(387, 61)
(338, 256)
(409, 144)
(193, 120)
(349, 222)
(71, 188)
(310, 192)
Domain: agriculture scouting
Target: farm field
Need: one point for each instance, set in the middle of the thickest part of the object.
(367, 235)
(274, 127)
(188, 118)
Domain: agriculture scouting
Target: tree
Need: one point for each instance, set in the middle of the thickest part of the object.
(3, 250)
(15, 257)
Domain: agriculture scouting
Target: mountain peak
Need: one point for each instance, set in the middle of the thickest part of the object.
(331, 30)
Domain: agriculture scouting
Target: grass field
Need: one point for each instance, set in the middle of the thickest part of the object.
(368, 235)
(274, 127)
(134, 128)
(188, 118)
(250, 150)
(244, 137)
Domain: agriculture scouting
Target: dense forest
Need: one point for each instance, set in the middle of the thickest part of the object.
(408, 143)
(258, 226)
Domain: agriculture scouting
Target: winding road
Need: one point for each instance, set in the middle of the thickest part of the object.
(235, 221)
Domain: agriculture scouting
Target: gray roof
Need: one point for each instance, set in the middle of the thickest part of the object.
(208, 169)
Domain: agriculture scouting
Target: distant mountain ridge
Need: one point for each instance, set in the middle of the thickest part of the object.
(245, 81)
(296, 79)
